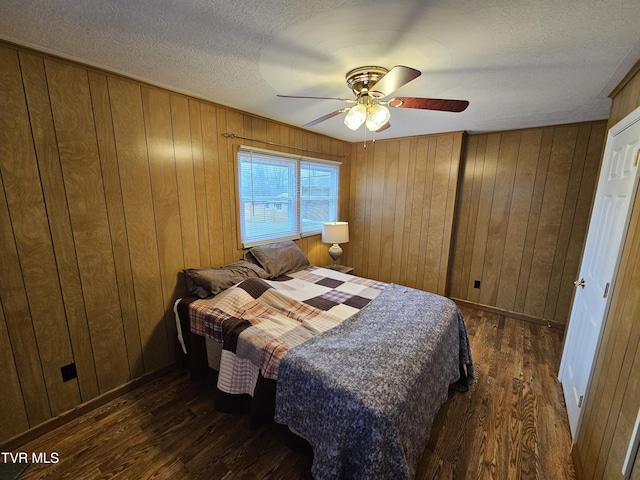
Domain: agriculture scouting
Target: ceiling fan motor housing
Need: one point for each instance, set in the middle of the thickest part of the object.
(361, 79)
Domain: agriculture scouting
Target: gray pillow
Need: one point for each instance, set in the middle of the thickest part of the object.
(205, 282)
(278, 258)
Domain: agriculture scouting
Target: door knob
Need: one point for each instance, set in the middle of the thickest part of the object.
(579, 283)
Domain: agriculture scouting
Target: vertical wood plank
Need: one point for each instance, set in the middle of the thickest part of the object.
(199, 184)
(185, 181)
(30, 229)
(425, 253)
(17, 316)
(499, 216)
(550, 219)
(519, 212)
(580, 221)
(13, 412)
(46, 146)
(213, 148)
(131, 148)
(376, 219)
(164, 190)
(115, 209)
(534, 218)
(75, 131)
(567, 219)
(487, 187)
(400, 209)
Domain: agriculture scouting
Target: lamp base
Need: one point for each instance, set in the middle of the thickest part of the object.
(335, 252)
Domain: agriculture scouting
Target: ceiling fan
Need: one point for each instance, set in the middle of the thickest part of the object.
(372, 85)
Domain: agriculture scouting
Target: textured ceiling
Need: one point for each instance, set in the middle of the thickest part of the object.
(520, 63)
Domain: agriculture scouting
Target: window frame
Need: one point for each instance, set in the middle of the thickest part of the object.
(301, 161)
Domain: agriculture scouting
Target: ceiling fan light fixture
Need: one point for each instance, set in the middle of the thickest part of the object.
(355, 117)
(377, 116)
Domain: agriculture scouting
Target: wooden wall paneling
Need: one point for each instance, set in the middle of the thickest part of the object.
(612, 401)
(519, 212)
(344, 207)
(566, 222)
(13, 296)
(612, 371)
(534, 218)
(369, 163)
(558, 171)
(579, 225)
(156, 106)
(407, 256)
(53, 188)
(451, 165)
(448, 152)
(234, 124)
(131, 148)
(115, 210)
(32, 237)
(13, 413)
(199, 185)
(416, 250)
(489, 158)
(214, 146)
(454, 183)
(467, 215)
(424, 253)
(625, 101)
(460, 228)
(439, 235)
(76, 134)
(499, 216)
(357, 208)
(375, 220)
(400, 204)
(388, 210)
(185, 182)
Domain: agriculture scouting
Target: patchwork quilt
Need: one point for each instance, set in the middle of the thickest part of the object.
(258, 321)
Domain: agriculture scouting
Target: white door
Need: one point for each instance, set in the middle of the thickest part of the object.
(607, 229)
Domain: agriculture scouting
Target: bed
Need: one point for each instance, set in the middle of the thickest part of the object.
(357, 368)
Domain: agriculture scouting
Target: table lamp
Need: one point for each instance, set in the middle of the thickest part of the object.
(335, 233)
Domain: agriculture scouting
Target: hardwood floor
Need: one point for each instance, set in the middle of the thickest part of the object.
(510, 425)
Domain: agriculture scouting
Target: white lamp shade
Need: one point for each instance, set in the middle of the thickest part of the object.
(377, 116)
(356, 116)
(335, 232)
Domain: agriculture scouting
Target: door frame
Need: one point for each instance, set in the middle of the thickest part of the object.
(627, 122)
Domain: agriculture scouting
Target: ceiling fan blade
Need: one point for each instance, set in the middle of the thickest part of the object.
(350, 100)
(429, 104)
(325, 117)
(393, 80)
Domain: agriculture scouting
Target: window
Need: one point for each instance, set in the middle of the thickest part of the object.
(283, 196)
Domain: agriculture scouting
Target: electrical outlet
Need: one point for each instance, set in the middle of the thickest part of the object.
(69, 372)
(476, 284)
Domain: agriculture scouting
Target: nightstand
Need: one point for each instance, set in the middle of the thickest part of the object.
(341, 268)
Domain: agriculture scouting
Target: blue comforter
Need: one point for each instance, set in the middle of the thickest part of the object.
(365, 393)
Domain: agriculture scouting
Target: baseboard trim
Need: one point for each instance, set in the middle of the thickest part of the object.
(508, 313)
(55, 422)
